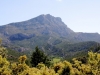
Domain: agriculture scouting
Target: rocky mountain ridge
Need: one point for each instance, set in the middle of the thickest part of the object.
(40, 31)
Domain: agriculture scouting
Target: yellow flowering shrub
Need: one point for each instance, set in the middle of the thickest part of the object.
(92, 67)
(4, 66)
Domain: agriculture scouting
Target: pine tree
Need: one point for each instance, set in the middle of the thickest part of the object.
(39, 57)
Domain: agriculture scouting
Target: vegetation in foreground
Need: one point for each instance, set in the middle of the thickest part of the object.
(84, 66)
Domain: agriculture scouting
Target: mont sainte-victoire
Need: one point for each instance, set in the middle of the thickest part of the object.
(49, 33)
(59, 44)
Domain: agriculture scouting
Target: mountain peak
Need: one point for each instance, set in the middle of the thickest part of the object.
(47, 19)
(45, 15)
(52, 17)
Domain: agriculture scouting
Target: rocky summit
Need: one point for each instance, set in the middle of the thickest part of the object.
(42, 31)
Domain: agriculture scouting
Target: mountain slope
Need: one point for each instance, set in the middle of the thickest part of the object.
(40, 31)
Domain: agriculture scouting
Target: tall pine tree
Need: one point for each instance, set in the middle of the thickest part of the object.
(39, 57)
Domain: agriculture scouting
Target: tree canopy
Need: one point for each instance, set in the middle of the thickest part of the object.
(38, 56)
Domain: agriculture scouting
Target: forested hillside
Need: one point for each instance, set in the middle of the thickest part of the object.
(43, 31)
(89, 65)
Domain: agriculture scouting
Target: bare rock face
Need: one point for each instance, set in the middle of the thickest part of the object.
(41, 30)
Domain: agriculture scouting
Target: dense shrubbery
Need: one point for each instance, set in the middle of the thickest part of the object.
(91, 67)
(84, 66)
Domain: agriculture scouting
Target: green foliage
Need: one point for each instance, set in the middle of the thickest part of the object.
(3, 51)
(4, 66)
(39, 57)
(39, 61)
(55, 60)
(92, 67)
(20, 67)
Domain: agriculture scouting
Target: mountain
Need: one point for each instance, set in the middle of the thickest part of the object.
(37, 31)
(42, 31)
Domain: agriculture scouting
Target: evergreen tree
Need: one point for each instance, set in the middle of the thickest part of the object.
(39, 57)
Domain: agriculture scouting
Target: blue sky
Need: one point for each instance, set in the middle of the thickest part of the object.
(79, 15)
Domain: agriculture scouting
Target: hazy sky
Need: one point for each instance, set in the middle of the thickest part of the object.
(79, 15)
